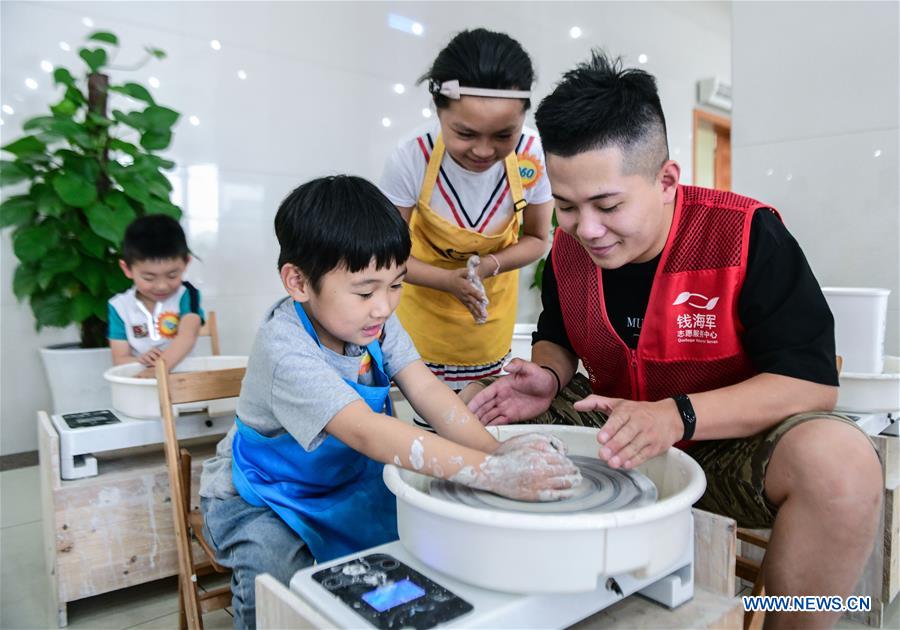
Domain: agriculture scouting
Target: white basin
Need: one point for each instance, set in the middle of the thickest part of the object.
(550, 553)
(139, 398)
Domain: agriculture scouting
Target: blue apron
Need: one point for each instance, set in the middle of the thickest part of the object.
(334, 497)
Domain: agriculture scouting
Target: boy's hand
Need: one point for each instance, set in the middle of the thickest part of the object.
(146, 373)
(526, 393)
(525, 472)
(534, 441)
(459, 285)
(149, 358)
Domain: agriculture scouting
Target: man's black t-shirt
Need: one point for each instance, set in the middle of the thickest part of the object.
(789, 329)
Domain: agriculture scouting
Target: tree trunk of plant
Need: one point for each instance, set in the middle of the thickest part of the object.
(93, 333)
(98, 91)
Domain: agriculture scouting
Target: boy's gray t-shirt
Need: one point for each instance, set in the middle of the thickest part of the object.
(294, 385)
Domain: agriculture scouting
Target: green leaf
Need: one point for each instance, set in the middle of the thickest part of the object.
(91, 274)
(135, 187)
(104, 36)
(25, 146)
(74, 94)
(134, 90)
(64, 108)
(60, 260)
(135, 120)
(11, 173)
(156, 52)
(155, 206)
(95, 59)
(17, 210)
(86, 166)
(160, 118)
(156, 140)
(92, 244)
(117, 282)
(158, 190)
(51, 309)
(100, 121)
(74, 189)
(61, 75)
(24, 281)
(30, 244)
(48, 202)
(82, 307)
(124, 147)
(109, 223)
(38, 122)
(61, 128)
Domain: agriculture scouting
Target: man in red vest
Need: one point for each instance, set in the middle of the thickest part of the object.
(700, 325)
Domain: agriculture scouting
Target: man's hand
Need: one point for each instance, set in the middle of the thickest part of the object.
(149, 358)
(526, 393)
(634, 431)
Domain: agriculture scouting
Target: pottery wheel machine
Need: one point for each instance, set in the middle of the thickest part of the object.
(472, 559)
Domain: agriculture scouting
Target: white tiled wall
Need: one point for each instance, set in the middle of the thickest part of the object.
(320, 79)
(816, 133)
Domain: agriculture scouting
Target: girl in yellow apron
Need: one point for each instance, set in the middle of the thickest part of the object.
(471, 185)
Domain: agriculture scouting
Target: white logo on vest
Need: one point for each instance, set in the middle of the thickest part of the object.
(697, 327)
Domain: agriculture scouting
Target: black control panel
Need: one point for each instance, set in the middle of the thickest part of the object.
(90, 418)
(391, 595)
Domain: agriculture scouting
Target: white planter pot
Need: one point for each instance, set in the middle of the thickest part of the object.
(75, 376)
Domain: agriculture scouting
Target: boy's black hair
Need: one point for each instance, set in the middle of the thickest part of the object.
(337, 221)
(599, 104)
(154, 237)
(483, 59)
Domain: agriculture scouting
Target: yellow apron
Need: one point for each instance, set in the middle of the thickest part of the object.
(440, 326)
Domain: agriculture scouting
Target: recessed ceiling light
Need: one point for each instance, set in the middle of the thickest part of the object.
(87, 22)
(242, 75)
(575, 32)
(1, 122)
(426, 112)
(770, 172)
(65, 46)
(153, 81)
(46, 66)
(417, 29)
(877, 153)
(642, 58)
(789, 177)
(31, 84)
(194, 120)
(8, 110)
(399, 88)
(386, 122)
(215, 44)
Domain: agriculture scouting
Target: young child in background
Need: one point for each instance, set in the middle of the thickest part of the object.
(298, 479)
(160, 316)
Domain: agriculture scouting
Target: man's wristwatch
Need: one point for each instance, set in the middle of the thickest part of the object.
(688, 417)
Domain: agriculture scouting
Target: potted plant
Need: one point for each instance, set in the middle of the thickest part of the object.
(86, 175)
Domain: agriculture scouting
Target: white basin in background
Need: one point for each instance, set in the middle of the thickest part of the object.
(139, 398)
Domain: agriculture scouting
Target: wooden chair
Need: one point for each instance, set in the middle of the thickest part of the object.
(183, 388)
(750, 569)
(211, 330)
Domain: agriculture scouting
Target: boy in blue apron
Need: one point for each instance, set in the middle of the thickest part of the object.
(160, 316)
(298, 478)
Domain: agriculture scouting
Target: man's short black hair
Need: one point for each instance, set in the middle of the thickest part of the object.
(154, 237)
(339, 221)
(599, 104)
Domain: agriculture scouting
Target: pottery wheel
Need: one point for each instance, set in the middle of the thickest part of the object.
(603, 489)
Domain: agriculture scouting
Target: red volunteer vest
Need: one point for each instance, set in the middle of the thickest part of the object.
(691, 335)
